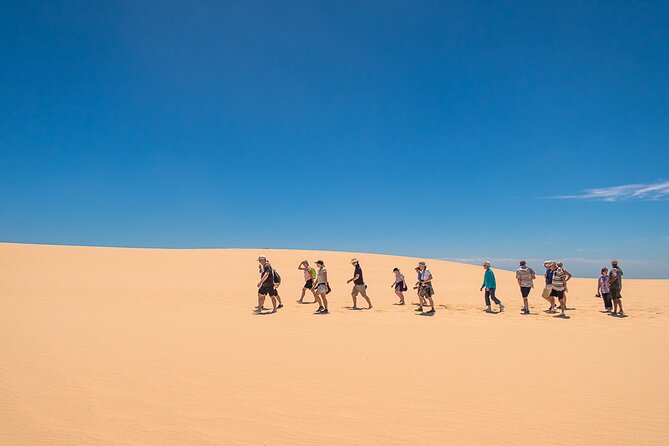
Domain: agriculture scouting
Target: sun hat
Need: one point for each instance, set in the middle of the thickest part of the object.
(262, 258)
(354, 260)
(421, 263)
(486, 263)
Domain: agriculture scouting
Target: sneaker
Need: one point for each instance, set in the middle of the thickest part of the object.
(420, 309)
(501, 307)
(280, 306)
(325, 312)
(320, 309)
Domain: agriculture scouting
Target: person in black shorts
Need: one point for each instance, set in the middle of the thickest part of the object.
(309, 276)
(266, 285)
(615, 287)
(525, 276)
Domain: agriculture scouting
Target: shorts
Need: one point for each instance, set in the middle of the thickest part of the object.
(362, 289)
(425, 290)
(399, 286)
(322, 288)
(558, 294)
(615, 293)
(267, 289)
(525, 291)
(309, 284)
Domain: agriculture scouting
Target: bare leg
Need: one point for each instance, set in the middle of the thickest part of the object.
(421, 299)
(369, 302)
(355, 300)
(563, 306)
(261, 299)
(325, 301)
(431, 302)
(273, 304)
(302, 296)
(401, 296)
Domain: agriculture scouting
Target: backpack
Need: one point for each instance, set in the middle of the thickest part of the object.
(277, 277)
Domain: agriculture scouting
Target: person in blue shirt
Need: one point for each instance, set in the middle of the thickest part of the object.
(546, 294)
(490, 286)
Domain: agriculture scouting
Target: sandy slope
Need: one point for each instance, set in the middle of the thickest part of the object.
(103, 346)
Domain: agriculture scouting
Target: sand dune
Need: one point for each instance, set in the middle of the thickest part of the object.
(103, 346)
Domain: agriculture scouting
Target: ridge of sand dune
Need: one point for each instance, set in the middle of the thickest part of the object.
(107, 346)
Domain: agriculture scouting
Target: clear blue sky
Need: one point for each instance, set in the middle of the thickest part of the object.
(460, 130)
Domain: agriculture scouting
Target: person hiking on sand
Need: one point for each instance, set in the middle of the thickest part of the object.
(421, 300)
(266, 285)
(490, 286)
(358, 285)
(322, 288)
(309, 277)
(603, 290)
(400, 285)
(277, 281)
(546, 294)
(425, 289)
(525, 276)
(567, 278)
(616, 286)
(559, 286)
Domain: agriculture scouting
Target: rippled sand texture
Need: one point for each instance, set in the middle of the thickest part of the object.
(102, 346)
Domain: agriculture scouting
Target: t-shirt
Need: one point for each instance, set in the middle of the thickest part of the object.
(309, 273)
(558, 279)
(321, 275)
(526, 276)
(270, 274)
(616, 272)
(549, 276)
(425, 275)
(603, 284)
(358, 272)
(399, 277)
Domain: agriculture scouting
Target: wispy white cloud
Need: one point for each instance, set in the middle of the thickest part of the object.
(642, 192)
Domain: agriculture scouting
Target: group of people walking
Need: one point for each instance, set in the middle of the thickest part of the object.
(609, 286)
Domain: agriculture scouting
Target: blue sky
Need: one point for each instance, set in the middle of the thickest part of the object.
(459, 130)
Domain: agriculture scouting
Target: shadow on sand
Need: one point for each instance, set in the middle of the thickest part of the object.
(426, 313)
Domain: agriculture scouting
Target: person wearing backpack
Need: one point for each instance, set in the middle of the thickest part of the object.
(309, 277)
(266, 284)
(277, 282)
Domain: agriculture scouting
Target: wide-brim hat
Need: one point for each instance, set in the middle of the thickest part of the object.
(354, 260)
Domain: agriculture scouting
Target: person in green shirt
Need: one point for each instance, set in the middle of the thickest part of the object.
(490, 285)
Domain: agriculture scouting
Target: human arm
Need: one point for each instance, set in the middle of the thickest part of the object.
(263, 279)
(567, 274)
